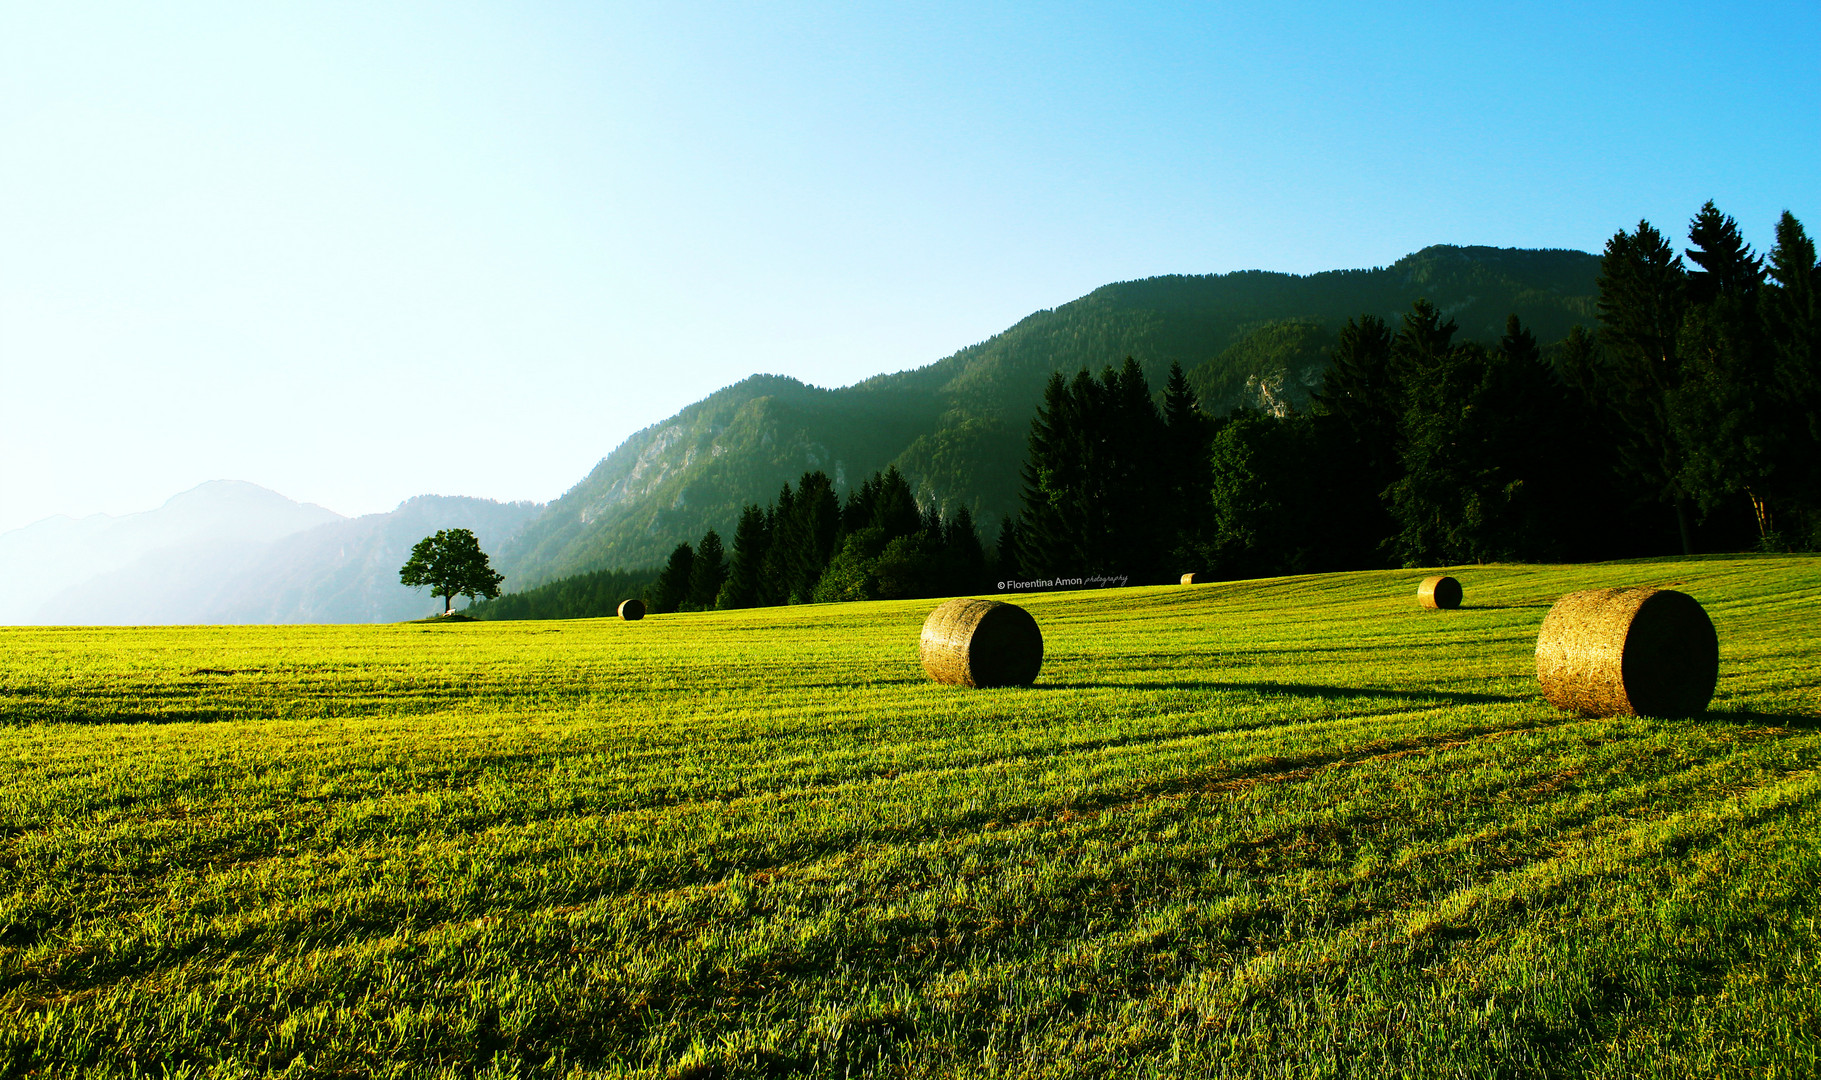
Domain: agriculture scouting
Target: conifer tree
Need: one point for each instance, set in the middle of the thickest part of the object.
(775, 575)
(1005, 558)
(803, 537)
(1042, 535)
(671, 590)
(963, 557)
(1725, 408)
(895, 509)
(1792, 319)
(1643, 297)
(1185, 465)
(744, 586)
(1357, 413)
(707, 573)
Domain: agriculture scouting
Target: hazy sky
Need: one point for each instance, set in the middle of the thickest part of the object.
(357, 252)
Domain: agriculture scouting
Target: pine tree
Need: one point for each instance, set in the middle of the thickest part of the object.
(672, 587)
(1005, 559)
(1357, 413)
(1643, 297)
(1185, 467)
(1792, 322)
(744, 586)
(1724, 408)
(1043, 536)
(963, 556)
(707, 573)
(775, 575)
(804, 537)
(895, 509)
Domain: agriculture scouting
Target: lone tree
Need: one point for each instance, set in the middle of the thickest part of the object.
(451, 562)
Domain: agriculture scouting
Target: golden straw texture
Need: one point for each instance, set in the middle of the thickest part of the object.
(1190, 579)
(1628, 652)
(981, 643)
(1439, 592)
(632, 610)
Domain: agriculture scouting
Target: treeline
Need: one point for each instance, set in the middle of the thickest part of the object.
(1689, 419)
(1694, 412)
(808, 546)
(580, 596)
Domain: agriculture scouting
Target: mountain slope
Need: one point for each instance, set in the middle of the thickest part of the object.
(956, 428)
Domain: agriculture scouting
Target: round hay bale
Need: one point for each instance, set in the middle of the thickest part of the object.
(1190, 579)
(632, 610)
(1628, 652)
(1439, 593)
(981, 643)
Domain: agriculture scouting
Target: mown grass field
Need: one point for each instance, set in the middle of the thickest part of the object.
(1295, 827)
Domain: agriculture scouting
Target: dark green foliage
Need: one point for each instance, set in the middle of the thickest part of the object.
(583, 596)
(1637, 373)
(1792, 321)
(706, 574)
(805, 529)
(853, 574)
(745, 584)
(1356, 414)
(1184, 514)
(1095, 482)
(1259, 497)
(964, 563)
(1489, 458)
(1005, 558)
(452, 563)
(671, 589)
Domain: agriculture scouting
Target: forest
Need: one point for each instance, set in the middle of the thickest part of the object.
(1688, 420)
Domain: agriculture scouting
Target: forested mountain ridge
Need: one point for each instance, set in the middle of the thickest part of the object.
(956, 428)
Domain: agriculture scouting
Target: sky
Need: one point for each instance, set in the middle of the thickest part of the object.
(356, 252)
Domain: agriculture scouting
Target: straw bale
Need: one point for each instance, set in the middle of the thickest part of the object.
(1628, 652)
(1192, 579)
(632, 610)
(1439, 592)
(981, 643)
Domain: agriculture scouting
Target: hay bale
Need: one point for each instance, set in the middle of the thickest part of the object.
(632, 610)
(1439, 593)
(1191, 579)
(1628, 652)
(981, 643)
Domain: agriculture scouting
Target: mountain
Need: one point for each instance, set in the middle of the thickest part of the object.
(58, 553)
(956, 428)
(339, 572)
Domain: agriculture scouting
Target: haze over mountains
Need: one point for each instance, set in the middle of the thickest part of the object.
(234, 552)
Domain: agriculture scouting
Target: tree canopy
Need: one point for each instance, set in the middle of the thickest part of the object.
(451, 563)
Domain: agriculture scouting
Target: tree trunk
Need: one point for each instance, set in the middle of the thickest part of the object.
(1761, 511)
(1688, 541)
(448, 599)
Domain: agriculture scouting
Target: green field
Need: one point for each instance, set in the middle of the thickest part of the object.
(1294, 827)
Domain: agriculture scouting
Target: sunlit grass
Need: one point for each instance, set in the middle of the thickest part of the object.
(1291, 827)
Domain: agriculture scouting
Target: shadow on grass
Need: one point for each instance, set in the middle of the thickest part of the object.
(1764, 719)
(1504, 607)
(1331, 693)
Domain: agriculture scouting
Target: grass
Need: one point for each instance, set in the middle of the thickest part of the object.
(1296, 827)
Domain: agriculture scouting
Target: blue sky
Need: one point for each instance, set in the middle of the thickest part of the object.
(359, 252)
